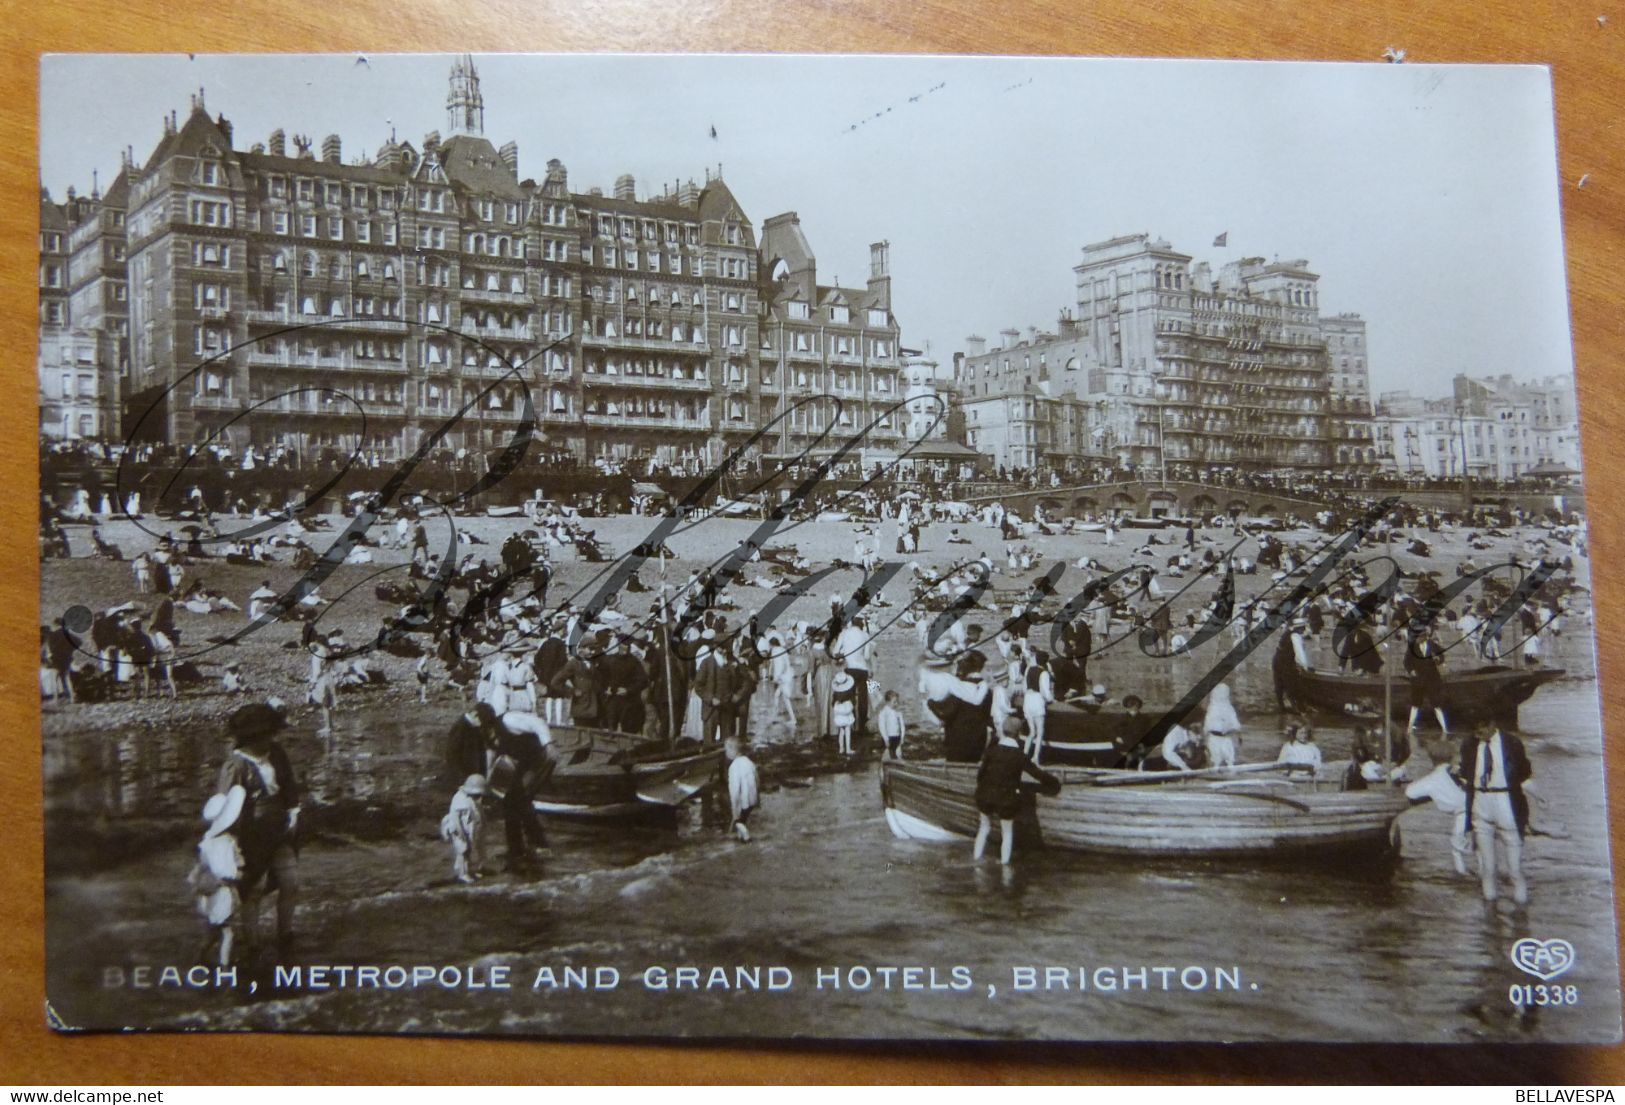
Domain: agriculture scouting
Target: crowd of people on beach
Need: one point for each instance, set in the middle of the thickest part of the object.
(694, 670)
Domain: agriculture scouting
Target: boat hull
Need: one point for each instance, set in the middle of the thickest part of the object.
(1247, 816)
(600, 774)
(1492, 694)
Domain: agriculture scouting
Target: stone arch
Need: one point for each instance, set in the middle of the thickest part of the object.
(1238, 507)
(1083, 504)
(1123, 502)
(1204, 506)
(1162, 503)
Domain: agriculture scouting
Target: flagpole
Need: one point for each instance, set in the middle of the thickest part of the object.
(665, 652)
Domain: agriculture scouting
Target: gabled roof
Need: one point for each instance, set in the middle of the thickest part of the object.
(653, 208)
(118, 193)
(189, 138)
(52, 215)
(859, 299)
(271, 163)
(473, 165)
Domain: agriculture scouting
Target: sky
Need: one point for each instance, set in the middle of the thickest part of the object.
(1426, 196)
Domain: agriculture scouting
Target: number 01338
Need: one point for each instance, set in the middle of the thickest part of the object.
(1539, 993)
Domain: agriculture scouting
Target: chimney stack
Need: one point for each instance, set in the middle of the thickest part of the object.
(626, 187)
(331, 150)
(880, 274)
(225, 128)
(975, 346)
(278, 143)
(558, 177)
(688, 194)
(431, 143)
(1011, 336)
(510, 157)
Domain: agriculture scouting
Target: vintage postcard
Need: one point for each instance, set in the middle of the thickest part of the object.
(922, 547)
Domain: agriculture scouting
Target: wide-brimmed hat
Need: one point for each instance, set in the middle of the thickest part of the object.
(222, 810)
(843, 682)
(474, 785)
(254, 720)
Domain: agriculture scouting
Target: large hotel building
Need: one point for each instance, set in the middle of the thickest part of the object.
(1167, 363)
(361, 304)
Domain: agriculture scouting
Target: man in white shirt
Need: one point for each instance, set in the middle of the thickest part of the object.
(1495, 767)
(1442, 786)
(852, 651)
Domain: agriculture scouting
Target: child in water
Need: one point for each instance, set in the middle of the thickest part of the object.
(998, 787)
(890, 723)
(461, 828)
(214, 878)
(743, 792)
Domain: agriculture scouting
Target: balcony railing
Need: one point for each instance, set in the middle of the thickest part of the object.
(361, 324)
(348, 362)
(494, 295)
(499, 333)
(658, 344)
(643, 421)
(604, 379)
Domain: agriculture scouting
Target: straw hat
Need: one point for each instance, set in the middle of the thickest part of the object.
(843, 682)
(222, 810)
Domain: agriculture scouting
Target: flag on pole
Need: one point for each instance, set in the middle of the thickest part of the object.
(1222, 240)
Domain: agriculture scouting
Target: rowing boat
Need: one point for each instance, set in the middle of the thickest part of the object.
(1245, 813)
(1492, 693)
(1078, 737)
(601, 774)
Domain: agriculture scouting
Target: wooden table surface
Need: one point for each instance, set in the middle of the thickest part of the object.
(1587, 56)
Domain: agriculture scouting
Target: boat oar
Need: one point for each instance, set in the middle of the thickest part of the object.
(1145, 778)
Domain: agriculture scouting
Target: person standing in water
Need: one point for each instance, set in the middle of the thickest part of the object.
(998, 789)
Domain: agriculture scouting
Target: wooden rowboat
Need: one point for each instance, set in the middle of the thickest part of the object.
(601, 774)
(1491, 693)
(1078, 737)
(1247, 815)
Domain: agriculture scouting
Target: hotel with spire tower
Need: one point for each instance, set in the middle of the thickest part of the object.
(357, 304)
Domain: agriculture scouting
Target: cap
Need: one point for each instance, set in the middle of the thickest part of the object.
(474, 784)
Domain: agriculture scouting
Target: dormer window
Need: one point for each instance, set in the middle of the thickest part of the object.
(838, 313)
(209, 172)
(798, 309)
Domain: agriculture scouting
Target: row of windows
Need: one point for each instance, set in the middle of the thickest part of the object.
(651, 260)
(839, 313)
(627, 227)
(840, 345)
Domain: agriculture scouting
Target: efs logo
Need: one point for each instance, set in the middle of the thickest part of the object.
(1545, 959)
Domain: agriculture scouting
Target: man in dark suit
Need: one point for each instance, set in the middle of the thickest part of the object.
(714, 683)
(1495, 767)
(624, 681)
(550, 659)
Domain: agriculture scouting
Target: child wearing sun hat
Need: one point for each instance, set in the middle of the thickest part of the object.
(214, 878)
(461, 829)
(843, 710)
